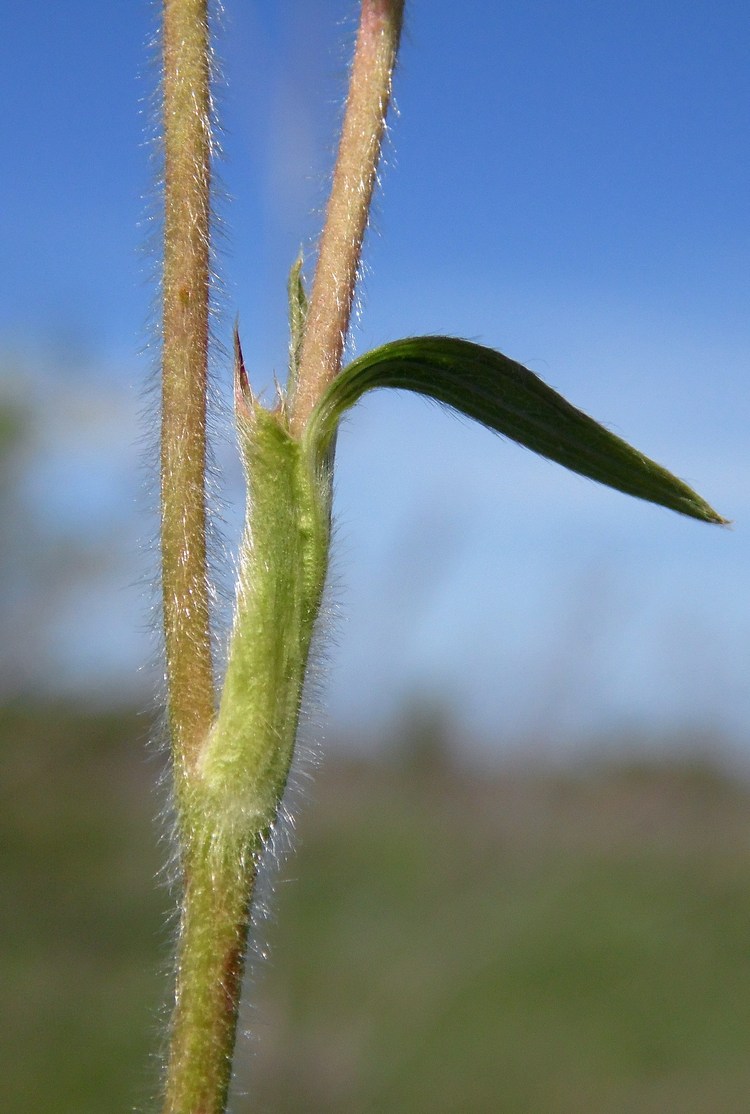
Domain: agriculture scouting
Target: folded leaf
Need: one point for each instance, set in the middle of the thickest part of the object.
(506, 397)
(297, 316)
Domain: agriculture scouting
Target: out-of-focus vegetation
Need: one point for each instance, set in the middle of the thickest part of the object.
(82, 921)
(519, 941)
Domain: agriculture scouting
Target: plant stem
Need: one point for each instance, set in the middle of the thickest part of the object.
(213, 938)
(233, 794)
(349, 203)
(187, 172)
(231, 766)
(199, 1019)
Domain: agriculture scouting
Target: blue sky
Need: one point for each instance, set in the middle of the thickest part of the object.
(567, 182)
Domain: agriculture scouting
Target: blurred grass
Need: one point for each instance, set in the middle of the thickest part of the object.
(520, 942)
(81, 923)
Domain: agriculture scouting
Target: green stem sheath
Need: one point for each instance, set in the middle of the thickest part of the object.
(228, 810)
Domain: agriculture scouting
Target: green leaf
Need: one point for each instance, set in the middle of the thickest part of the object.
(507, 397)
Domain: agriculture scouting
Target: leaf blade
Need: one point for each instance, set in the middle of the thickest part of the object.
(508, 398)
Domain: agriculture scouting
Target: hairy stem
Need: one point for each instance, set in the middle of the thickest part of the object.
(234, 791)
(210, 939)
(213, 939)
(231, 765)
(349, 204)
(187, 171)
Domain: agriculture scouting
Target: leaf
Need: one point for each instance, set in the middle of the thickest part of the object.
(506, 397)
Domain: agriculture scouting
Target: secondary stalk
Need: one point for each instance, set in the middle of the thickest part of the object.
(185, 309)
(349, 203)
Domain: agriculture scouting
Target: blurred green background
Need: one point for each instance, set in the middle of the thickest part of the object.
(522, 940)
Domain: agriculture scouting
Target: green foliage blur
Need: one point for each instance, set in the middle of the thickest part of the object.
(82, 922)
(443, 940)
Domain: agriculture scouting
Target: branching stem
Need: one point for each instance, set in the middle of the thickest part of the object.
(187, 172)
(231, 764)
(349, 204)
